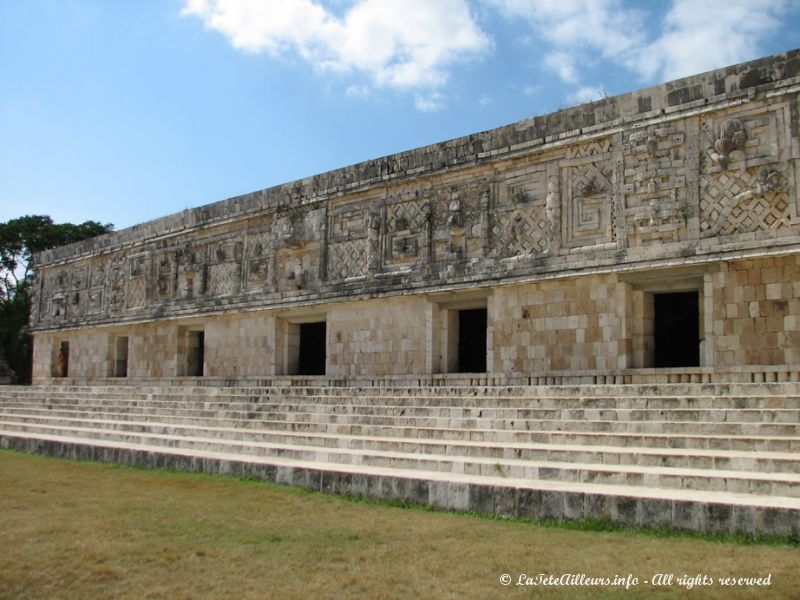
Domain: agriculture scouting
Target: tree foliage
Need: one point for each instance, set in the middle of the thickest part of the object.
(20, 239)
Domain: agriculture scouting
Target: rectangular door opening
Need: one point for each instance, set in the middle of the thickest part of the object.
(472, 340)
(312, 355)
(677, 329)
(195, 353)
(121, 357)
(61, 363)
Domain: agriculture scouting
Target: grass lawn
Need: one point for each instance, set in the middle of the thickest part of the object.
(78, 530)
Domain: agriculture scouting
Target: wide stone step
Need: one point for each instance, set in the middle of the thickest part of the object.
(764, 461)
(718, 512)
(616, 396)
(741, 482)
(236, 402)
(643, 440)
(334, 421)
(664, 477)
(637, 390)
(699, 456)
(468, 407)
(478, 415)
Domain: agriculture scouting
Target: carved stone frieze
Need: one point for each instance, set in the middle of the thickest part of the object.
(656, 201)
(136, 292)
(520, 224)
(192, 265)
(224, 267)
(747, 202)
(348, 241)
(259, 259)
(588, 215)
(653, 177)
(407, 231)
(457, 220)
(745, 191)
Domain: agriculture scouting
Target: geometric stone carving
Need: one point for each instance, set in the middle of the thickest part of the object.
(737, 202)
(136, 288)
(742, 185)
(259, 259)
(656, 205)
(192, 270)
(224, 268)
(519, 222)
(407, 228)
(116, 283)
(297, 238)
(348, 242)
(80, 278)
(165, 276)
(587, 184)
(348, 258)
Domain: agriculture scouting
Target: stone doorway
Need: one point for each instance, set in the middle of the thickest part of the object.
(121, 357)
(61, 360)
(312, 356)
(472, 340)
(195, 353)
(676, 329)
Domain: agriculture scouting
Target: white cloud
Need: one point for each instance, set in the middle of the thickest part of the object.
(430, 102)
(358, 91)
(693, 37)
(531, 90)
(579, 29)
(563, 64)
(699, 36)
(408, 45)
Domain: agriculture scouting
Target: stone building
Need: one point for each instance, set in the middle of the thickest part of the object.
(651, 236)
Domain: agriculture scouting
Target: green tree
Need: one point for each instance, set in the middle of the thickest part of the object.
(20, 239)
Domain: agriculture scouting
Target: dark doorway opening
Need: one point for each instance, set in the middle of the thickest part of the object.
(312, 355)
(472, 340)
(121, 357)
(62, 360)
(195, 354)
(677, 329)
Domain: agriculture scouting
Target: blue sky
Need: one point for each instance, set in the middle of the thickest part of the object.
(126, 110)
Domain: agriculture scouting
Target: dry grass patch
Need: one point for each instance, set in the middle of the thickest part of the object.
(77, 530)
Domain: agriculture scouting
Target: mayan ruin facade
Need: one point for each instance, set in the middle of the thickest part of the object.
(593, 314)
(648, 232)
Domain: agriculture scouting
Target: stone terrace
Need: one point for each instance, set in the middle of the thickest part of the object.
(700, 457)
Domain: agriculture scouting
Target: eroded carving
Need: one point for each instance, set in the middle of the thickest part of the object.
(655, 185)
(760, 205)
(732, 137)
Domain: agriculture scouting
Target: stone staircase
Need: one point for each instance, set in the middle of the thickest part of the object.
(701, 457)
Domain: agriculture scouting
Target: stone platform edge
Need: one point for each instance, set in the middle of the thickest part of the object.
(494, 499)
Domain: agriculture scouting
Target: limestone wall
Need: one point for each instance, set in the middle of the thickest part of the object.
(383, 337)
(240, 346)
(757, 312)
(563, 325)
